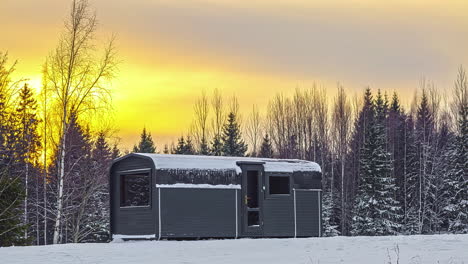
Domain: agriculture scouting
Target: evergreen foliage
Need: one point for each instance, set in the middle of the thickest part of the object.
(204, 148)
(185, 147)
(233, 144)
(266, 149)
(376, 211)
(457, 208)
(12, 227)
(146, 144)
(216, 146)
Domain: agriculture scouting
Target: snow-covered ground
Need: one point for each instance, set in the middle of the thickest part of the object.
(444, 249)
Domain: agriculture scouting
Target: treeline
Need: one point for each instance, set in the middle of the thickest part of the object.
(53, 167)
(386, 169)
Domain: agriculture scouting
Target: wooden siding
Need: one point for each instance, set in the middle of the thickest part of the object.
(278, 213)
(193, 213)
(308, 216)
(131, 220)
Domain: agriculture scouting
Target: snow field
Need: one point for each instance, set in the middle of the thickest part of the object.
(424, 249)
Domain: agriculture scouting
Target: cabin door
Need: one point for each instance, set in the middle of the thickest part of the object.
(252, 200)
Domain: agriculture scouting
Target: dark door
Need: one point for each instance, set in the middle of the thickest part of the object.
(252, 200)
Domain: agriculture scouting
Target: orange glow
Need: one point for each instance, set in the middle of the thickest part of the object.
(171, 51)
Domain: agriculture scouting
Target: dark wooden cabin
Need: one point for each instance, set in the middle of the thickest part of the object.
(156, 196)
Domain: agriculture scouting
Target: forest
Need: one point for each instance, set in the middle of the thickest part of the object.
(387, 168)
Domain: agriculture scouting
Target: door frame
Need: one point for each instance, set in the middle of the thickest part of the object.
(252, 231)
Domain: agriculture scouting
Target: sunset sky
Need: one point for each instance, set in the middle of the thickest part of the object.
(172, 50)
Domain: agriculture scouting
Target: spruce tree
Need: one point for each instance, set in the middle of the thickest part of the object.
(115, 152)
(216, 146)
(97, 220)
(425, 132)
(166, 149)
(11, 196)
(189, 149)
(204, 148)
(396, 146)
(146, 144)
(376, 211)
(457, 210)
(411, 185)
(185, 146)
(180, 149)
(266, 149)
(329, 228)
(26, 145)
(233, 144)
(12, 228)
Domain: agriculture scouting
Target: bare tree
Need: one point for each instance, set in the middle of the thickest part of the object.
(341, 129)
(253, 130)
(460, 99)
(218, 111)
(200, 129)
(277, 123)
(322, 124)
(76, 78)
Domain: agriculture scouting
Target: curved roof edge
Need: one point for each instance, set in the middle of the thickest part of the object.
(186, 162)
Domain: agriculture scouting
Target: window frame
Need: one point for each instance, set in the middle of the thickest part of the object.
(120, 174)
(275, 174)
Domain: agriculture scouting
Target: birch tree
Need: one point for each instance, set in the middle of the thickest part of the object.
(217, 122)
(341, 128)
(201, 110)
(253, 131)
(77, 77)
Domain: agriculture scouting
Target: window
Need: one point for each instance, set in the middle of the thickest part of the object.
(279, 185)
(134, 190)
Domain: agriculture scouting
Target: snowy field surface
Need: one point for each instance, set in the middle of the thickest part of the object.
(449, 249)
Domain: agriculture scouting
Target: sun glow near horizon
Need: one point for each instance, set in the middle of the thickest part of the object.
(171, 51)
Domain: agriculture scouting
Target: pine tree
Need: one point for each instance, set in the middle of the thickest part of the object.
(411, 186)
(424, 130)
(204, 148)
(329, 227)
(216, 146)
(457, 210)
(12, 225)
(359, 135)
(233, 145)
(97, 210)
(376, 211)
(189, 149)
(180, 149)
(146, 144)
(266, 149)
(11, 196)
(166, 149)
(443, 191)
(26, 146)
(115, 152)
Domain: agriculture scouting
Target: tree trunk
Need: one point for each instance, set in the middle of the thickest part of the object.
(60, 186)
(26, 200)
(342, 196)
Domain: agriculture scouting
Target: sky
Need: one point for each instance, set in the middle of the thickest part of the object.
(173, 50)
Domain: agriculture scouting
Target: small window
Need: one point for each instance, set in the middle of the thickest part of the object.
(134, 190)
(279, 185)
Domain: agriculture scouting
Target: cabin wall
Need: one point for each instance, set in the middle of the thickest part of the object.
(197, 213)
(194, 213)
(132, 220)
(278, 215)
(308, 213)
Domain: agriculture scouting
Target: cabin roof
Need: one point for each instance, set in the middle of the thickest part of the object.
(188, 162)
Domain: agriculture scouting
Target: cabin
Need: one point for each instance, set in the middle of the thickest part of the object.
(162, 196)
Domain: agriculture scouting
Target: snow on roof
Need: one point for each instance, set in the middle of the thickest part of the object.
(185, 162)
